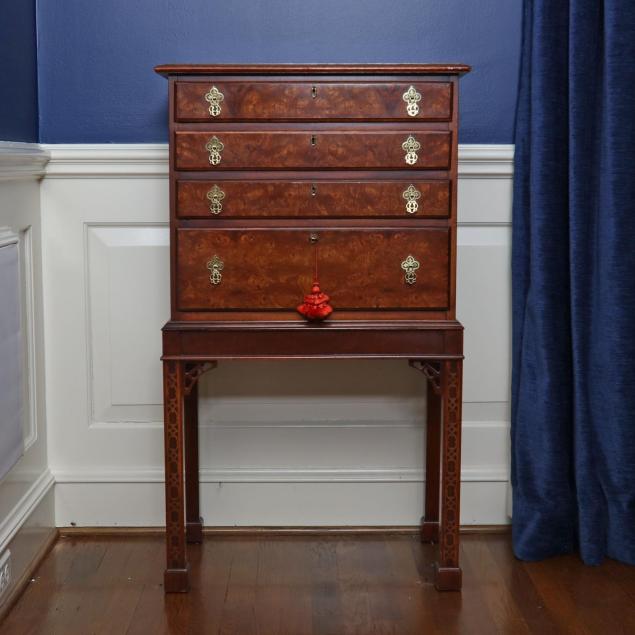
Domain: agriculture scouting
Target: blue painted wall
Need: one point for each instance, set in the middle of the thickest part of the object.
(96, 58)
(18, 71)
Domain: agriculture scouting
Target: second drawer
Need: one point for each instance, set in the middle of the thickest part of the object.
(312, 199)
(223, 149)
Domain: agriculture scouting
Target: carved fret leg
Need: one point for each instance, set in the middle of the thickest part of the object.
(176, 573)
(430, 520)
(448, 573)
(193, 520)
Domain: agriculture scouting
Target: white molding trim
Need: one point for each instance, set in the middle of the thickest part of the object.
(22, 160)
(107, 160)
(150, 160)
(474, 474)
(486, 161)
(24, 507)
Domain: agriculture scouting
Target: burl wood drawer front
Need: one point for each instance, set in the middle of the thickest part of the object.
(312, 199)
(271, 269)
(259, 100)
(220, 149)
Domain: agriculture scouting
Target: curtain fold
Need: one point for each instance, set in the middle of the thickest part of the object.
(573, 270)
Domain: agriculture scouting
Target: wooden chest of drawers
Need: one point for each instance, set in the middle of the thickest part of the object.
(273, 168)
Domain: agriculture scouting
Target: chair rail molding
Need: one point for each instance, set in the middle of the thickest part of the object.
(22, 160)
(151, 160)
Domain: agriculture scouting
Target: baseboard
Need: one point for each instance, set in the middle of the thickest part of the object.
(31, 499)
(28, 573)
(404, 530)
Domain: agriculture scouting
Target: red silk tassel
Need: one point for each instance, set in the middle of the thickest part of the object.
(316, 304)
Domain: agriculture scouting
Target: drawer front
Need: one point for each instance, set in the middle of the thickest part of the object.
(260, 100)
(312, 199)
(219, 149)
(271, 269)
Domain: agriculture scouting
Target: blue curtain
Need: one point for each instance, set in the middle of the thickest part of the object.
(573, 267)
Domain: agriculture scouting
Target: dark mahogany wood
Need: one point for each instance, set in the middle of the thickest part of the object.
(363, 70)
(312, 161)
(311, 199)
(176, 573)
(273, 269)
(310, 149)
(430, 523)
(258, 99)
(193, 520)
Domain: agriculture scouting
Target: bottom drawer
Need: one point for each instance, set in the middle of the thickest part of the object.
(272, 269)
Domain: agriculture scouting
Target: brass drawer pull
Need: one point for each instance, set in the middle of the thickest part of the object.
(410, 147)
(410, 266)
(215, 266)
(214, 146)
(411, 194)
(215, 195)
(411, 97)
(214, 97)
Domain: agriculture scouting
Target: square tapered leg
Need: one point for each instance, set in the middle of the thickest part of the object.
(193, 520)
(430, 520)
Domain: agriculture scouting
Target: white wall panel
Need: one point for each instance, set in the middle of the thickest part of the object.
(26, 505)
(281, 442)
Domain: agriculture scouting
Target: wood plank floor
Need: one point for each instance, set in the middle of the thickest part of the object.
(330, 585)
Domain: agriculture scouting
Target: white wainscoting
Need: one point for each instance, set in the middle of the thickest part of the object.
(282, 443)
(26, 491)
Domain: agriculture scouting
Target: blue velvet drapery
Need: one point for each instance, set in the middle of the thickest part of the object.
(573, 387)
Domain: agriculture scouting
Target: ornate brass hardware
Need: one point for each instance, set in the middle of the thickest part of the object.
(214, 98)
(410, 266)
(313, 189)
(411, 194)
(411, 97)
(214, 146)
(215, 266)
(215, 195)
(410, 147)
(314, 237)
(313, 91)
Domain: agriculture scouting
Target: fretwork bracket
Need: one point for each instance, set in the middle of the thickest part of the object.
(193, 370)
(431, 371)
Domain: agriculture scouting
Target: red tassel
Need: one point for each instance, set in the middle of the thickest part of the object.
(316, 304)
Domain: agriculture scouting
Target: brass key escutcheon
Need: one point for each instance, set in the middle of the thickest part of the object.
(215, 266)
(411, 194)
(214, 146)
(215, 195)
(410, 147)
(410, 266)
(214, 97)
(412, 97)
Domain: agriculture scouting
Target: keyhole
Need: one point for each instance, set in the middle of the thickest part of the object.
(313, 140)
(313, 238)
(313, 92)
(313, 190)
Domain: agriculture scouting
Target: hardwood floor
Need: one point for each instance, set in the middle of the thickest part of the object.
(318, 585)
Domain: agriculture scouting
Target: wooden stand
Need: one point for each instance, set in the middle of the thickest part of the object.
(434, 348)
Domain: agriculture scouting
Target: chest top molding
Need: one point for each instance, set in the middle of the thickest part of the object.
(312, 69)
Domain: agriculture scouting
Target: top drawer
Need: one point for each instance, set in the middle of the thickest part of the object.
(233, 100)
